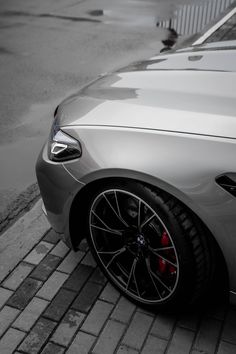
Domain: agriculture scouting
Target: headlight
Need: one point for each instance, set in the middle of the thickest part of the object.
(62, 147)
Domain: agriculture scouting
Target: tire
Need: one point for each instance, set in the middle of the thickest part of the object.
(149, 245)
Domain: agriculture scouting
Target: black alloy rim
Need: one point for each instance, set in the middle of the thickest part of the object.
(134, 246)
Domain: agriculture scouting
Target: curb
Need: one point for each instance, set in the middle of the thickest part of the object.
(21, 204)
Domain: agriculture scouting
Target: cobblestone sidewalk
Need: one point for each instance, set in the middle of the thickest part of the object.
(57, 301)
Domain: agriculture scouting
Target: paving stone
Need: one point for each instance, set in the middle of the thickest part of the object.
(98, 277)
(7, 316)
(60, 250)
(78, 278)
(38, 253)
(226, 348)
(5, 294)
(109, 338)
(163, 326)
(123, 310)
(10, 341)
(137, 330)
(110, 294)
(229, 332)
(30, 315)
(181, 342)
(89, 260)
(154, 345)
(46, 267)
(24, 293)
(38, 336)
(60, 304)
(20, 238)
(52, 285)
(97, 317)
(67, 328)
(52, 348)
(52, 237)
(126, 350)
(87, 297)
(145, 311)
(189, 321)
(207, 336)
(18, 275)
(82, 344)
(70, 262)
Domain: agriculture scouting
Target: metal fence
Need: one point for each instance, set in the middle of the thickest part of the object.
(192, 18)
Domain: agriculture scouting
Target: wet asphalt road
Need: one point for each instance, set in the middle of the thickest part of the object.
(49, 49)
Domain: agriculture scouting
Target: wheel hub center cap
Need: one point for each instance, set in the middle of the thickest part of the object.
(141, 240)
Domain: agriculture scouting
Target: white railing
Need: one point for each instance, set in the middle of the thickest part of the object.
(190, 19)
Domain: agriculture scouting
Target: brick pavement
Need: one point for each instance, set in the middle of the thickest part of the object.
(57, 301)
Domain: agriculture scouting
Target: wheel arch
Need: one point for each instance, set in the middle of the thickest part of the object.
(90, 188)
(81, 199)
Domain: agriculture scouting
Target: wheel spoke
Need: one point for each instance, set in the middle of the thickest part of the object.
(161, 282)
(120, 251)
(117, 214)
(139, 215)
(107, 228)
(157, 278)
(117, 204)
(114, 232)
(147, 221)
(161, 248)
(111, 252)
(151, 277)
(165, 259)
(132, 274)
(122, 270)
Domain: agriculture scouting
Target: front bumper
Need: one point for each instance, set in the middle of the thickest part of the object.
(58, 190)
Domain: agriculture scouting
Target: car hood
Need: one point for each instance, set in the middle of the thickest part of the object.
(191, 93)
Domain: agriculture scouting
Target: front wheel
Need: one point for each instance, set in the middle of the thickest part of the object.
(148, 245)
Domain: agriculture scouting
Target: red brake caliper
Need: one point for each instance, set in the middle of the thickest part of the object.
(163, 265)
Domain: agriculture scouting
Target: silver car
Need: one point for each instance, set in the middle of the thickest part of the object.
(142, 162)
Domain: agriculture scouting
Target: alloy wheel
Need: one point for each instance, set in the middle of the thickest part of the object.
(134, 246)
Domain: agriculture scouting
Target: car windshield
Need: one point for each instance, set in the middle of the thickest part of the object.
(226, 32)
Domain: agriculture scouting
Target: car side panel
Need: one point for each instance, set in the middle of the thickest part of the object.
(184, 165)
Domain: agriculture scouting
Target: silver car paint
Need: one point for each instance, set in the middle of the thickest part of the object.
(174, 129)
